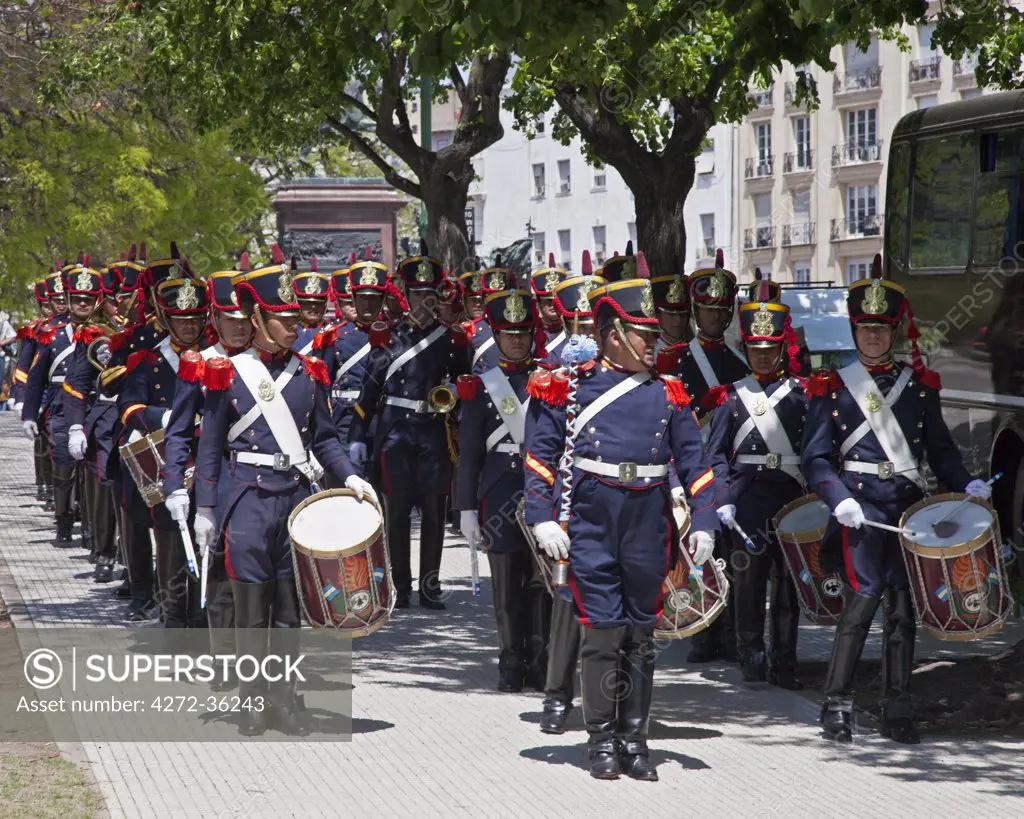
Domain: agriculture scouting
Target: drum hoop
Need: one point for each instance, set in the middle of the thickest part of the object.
(972, 545)
(965, 636)
(349, 551)
(803, 535)
(719, 606)
(363, 631)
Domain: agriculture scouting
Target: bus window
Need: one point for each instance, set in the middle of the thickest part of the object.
(998, 217)
(896, 207)
(943, 186)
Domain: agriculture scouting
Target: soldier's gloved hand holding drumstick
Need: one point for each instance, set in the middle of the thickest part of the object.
(552, 539)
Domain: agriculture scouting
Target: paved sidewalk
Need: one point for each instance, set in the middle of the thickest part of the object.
(432, 737)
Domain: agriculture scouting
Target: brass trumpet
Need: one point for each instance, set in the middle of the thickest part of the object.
(442, 399)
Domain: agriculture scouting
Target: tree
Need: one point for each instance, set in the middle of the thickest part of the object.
(645, 95)
(353, 67)
(86, 166)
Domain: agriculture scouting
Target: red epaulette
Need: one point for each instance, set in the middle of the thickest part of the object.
(120, 340)
(191, 367)
(217, 374)
(325, 338)
(25, 332)
(550, 386)
(469, 326)
(822, 382)
(460, 336)
(676, 392)
(140, 357)
(714, 397)
(316, 369)
(928, 378)
(87, 335)
(669, 359)
(466, 386)
(46, 335)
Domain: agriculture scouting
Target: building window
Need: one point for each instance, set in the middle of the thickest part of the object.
(802, 141)
(600, 177)
(862, 211)
(858, 269)
(801, 274)
(707, 229)
(564, 177)
(538, 179)
(763, 138)
(861, 127)
(600, 244)
(540, 256)
(441, 142)
(538, 126)
(414, 106)
(924, 42)
(565, 248)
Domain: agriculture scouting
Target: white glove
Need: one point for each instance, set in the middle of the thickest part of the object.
(470, 526)
(357, 453)
(204, 526)
(849, 514)
(702, 546)
(727, 514)
(363, 489)
(177, 504)
(18, 406)
(979, 489)
(77, 442)
(679, 496)
(165, 418)
(552, 539)
(31, 428)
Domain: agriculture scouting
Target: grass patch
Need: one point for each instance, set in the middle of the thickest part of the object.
(35, 781)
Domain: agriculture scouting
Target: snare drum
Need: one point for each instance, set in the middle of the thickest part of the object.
(959, 582)
(800, 531)
(342, 569)
(692, 596)
(144, 458)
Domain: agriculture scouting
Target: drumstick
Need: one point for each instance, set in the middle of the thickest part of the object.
(896, 529)
(190, 550)
(474, 566)
(204, 577)
(746, 539)
(965, 501)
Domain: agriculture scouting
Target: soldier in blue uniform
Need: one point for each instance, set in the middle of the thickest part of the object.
(490, 485)
(754, 445)
(620, 539)
(342, 294)
(410, 442)
(312, 288)
(879, 418)
(144, 405)
(543, 283)
(43, 403)
(26, 353)
(475, 285)
(672, 305)
(248, 481)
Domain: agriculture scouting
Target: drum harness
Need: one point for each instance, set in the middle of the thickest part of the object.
(763, 417)
(513, 423)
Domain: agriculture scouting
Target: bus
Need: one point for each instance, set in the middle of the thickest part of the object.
(954, 237)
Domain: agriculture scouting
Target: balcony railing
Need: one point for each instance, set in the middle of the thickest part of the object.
(862, 80)
(708, 246)
(798, 233)
(759, 167)
(789, 93)
(759, 237)
(855, 153)
(796, 161)
(857, 227)
(967, 66)
(924, 69)
(763, 98)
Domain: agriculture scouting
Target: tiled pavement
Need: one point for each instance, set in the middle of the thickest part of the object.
(432, 737)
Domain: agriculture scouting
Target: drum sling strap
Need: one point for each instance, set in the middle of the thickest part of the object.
(351, 361)
(171, 357)
(763, 417)
(414, 351)
(61, 356)
(700, 358)
(605, 399)
(513, 425)
(483, 348)
(555, 343)
(883, 423)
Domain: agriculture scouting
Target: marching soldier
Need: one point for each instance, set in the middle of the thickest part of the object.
(450, 307)
(490, 484)
(405, 390)
(570, 301)
(672, 306)
(475, 285)
(248, 480)
(144, 405)
(44, 389)
(395, 305)
(881, 418)
(312, 289)
(709, 362)
(343, 294)
(26, 354)
(620, 540)
(543, 283)
(754, 446)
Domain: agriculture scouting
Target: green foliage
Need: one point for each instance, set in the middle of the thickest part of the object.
(991, 31)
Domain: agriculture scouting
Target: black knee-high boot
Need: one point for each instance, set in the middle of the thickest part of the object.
(898, 634)
(635, 707)
(601, 655)
(538, 624)
(851, 634)
(785, 625)
(563, 654)
(254, 603)
(432, 517)
(63, 487)
(289, 707)
(220, 615)
(509, 600)
(397, 525)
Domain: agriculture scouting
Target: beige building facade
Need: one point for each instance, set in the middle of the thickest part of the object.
(811, 185)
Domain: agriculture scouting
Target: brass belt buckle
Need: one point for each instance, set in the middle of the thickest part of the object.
(886, 470)
(627, 471)
(282, 461)
(772, 460)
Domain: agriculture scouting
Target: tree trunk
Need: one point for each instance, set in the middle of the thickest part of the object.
(445, 196)
(660, 227)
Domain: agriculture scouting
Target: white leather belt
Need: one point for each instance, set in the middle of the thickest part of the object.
(106, 399)
(353, 394)
(885, 470)
(626, 471)
(57, 379)
(279, 461)
(507, 446)
(772, 460)
(408, 403)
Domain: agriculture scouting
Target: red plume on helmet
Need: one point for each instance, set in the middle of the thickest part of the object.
(352, 259)
(719, 258)
(876, 266)
(314, 265)
(551, 259)
(368, 254)
(586, 267)
(243, 262)
(277, 255)
(642, 270)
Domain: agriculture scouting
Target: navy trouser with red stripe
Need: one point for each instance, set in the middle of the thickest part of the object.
(623, 545)
(257, 546)
(871, 560)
